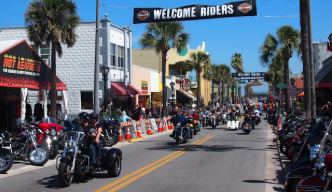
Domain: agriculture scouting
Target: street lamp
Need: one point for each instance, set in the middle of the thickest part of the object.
(172, 87)
(104, 71)
(292, 81)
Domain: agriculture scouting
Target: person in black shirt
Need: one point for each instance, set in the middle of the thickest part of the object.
(94, 140)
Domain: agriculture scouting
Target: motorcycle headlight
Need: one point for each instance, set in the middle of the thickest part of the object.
(191, 125)
(60, 132)
(53, 132)
(178, 125)
(47, 131)
(1, 140)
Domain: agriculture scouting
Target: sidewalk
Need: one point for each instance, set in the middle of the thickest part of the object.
(277, 165)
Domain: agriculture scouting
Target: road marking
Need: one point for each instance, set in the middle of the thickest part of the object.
(134, 140)
(146, 167)
(157, 166)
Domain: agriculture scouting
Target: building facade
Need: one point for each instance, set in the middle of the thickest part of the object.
(76, 65)
(320, 53)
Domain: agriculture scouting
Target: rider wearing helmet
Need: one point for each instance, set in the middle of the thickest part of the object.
(84, 116)
(96, 142)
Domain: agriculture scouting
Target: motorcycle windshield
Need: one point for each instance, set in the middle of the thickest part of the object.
(74, 136)
(323, 141)
(49, 120)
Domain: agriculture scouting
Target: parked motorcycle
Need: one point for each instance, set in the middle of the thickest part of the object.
(110, 134)
(6, 159)
(24, 145)
(48, 132)
(75, 161)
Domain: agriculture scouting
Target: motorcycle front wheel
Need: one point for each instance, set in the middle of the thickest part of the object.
(55, 151)
(6, 161)
(65, 177)
(39, 158)
(102, 141)
(177, 139)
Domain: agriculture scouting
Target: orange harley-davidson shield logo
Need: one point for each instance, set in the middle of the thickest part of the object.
(244, 7)
(142, 15)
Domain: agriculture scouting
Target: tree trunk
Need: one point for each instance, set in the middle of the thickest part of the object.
(53, 81)
(163, 72)
(198, 91)
(305, 55)
(286, 77)
(222, 93)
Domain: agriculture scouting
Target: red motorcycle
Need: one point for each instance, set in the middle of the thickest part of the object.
(48, 132)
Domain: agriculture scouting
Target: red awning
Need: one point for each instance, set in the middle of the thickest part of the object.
(122, 89)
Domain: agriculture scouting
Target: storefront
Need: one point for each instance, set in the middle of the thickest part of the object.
(124, 95)
(22, 69)
(323, 83)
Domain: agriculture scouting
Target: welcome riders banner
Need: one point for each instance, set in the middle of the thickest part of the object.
(195, 12)
(21, 67)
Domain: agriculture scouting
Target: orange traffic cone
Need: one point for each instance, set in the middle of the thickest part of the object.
(139, 131)
(160, 129)
(128, 134)
(120, 134)
(169, 125)
(149, 130)
(165, 128)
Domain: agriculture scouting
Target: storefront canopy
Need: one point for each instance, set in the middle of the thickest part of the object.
(122, 89)
(186, 94)
(22, 67)
(323, 78)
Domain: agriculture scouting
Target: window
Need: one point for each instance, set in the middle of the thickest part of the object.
(120, 56)
(112, 54)
(45, 53)
(128, 59)
(86, 100)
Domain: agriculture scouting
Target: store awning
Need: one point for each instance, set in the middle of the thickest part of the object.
(323, 79)
(22, 67)
(186, 94)
(122, 89)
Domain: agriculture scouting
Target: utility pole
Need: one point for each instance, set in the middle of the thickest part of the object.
(96, 79)
(312, 67)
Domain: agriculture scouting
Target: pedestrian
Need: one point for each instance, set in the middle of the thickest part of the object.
(138, 113)
(118, 110)
(169, 109)
(124, 117)
(158, 110)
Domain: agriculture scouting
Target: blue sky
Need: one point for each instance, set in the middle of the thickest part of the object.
(223, 37)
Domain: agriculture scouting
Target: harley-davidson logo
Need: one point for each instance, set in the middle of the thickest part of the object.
(142, 15)
(244, 7)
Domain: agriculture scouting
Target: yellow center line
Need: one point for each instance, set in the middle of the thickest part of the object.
(146, 167)
(157, 166)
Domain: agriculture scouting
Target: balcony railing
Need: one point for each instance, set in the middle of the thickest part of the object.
(191, 78)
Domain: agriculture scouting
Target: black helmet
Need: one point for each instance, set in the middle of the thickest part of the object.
(94, 115)
(84, 115)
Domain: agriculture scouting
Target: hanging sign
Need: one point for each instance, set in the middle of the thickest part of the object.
(195, 12)
(145, 87)
(186, 85)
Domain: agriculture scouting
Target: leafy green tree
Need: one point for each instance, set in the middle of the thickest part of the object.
(198, 61)
(53, 22)
(287, 41)
(162, 37)
(275, 74)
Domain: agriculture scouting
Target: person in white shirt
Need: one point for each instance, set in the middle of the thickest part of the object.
(217, 105)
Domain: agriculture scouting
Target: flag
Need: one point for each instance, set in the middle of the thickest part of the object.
(167, 56)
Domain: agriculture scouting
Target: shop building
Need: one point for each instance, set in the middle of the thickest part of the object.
(76, 66)
(148, 58)
(323, 83)
(22, 69)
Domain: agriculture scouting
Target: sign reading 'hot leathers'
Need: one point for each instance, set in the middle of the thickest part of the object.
(195, 12)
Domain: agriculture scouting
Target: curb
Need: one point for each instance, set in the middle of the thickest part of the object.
(284, 162)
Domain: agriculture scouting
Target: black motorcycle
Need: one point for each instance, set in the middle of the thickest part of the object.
(75, 161)
(6, 159)
(247, 125)
(110, 134)
(213, 121)
(24, 145)
(181, 124)
(204, 120)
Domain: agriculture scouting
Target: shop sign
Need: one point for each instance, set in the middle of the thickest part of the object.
(195, 12)
(157, 97)
(145, 88)
(256, 83)
(21, 66)
(186, 85)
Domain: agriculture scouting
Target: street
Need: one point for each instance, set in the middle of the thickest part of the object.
(215, 160)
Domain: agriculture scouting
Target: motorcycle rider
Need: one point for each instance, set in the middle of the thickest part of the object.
(214, 112)
(248, 118)
(183, 117)
(195, 117)
(96, 142)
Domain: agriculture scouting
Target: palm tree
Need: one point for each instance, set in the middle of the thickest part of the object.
(53, 22)
(198, 61)
(283, 45)
(212, 75)
(162, 37)
(305, 55)
(236, 63)
(249, 90)
(275, 74)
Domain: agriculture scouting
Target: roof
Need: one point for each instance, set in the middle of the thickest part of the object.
(8, 44)
(323, 71)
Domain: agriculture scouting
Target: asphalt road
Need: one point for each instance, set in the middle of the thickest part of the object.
(215, 160)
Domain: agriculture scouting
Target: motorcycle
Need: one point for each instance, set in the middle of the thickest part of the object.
(110, 134)
(6, 159)
(48, 132)
(204, 120)
(257, 119)
(181, 124)
(75, 161)
(194, 127)
(24, 145)
(247, 127)
(224, 117)
(213, 121)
